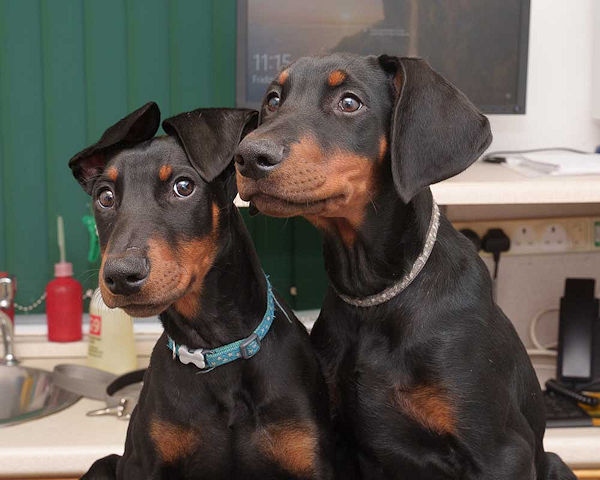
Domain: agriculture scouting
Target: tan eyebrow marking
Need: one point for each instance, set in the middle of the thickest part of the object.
(112, 173)
(165, 172)
(336, 78)
(283, 76)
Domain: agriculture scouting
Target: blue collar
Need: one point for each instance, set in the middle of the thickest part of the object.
(206, 359)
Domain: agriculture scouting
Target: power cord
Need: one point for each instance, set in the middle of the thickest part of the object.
(498, 156)
(495, 241)
(533, 335)
(559, 388)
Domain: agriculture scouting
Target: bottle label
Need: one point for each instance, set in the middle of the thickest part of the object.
(95, 325)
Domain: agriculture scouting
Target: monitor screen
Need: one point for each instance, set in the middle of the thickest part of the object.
(478, 45)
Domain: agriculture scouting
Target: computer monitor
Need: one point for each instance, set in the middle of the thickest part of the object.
(478, 45)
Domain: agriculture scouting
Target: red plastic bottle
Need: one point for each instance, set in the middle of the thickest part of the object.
(64, 305)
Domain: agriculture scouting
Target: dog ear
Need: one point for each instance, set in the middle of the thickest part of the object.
(435, 131)
(210, 136)
(136, 127)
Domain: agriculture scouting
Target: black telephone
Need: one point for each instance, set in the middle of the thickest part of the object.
(578, 363)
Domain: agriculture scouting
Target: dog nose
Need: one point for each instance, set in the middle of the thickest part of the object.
(125, 275)
(255, 158)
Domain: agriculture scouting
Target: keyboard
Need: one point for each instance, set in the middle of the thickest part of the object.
(564, 412)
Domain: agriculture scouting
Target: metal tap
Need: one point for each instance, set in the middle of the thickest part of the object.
(7, 295)
(8, 340)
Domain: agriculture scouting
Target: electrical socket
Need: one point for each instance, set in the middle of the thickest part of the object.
(546, 235)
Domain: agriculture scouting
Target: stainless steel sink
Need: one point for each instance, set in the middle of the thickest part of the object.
(26, 393)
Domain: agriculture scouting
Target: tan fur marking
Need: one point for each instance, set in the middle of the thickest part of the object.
(291, 445)
(383, 145)
(398, 82)
(319, 185)
(176, 277)
(112, 173)
(283, 76)
(173, 442)
(165, 172)
(336, 78)
(428, 406)
(199, 256)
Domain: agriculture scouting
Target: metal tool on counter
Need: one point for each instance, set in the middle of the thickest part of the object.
(120, 393)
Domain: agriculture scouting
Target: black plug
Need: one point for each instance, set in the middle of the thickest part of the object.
(495, 241)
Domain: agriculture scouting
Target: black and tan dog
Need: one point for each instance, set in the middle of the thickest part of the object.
(233, 390)
(428, 378)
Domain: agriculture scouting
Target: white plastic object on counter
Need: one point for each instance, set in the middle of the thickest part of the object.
(111, 342)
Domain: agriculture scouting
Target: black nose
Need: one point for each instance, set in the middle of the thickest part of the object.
(255, 158)
(126, 275)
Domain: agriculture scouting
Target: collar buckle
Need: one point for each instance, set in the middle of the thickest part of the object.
(250, 346)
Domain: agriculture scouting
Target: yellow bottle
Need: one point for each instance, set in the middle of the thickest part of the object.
(111, 344)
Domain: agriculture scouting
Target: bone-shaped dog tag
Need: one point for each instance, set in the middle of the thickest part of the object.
(192, 356)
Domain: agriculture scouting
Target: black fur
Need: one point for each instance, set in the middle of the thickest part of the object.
(237, 421)
(435, 383)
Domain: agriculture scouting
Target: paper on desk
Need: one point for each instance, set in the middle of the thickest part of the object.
(553, 163)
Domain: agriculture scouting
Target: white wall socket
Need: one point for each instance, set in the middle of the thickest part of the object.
(547, 235)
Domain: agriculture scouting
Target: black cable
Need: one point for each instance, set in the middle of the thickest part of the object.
(554, 386)
(495, 241)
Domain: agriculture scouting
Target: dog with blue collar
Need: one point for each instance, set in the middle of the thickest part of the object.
(233, 390)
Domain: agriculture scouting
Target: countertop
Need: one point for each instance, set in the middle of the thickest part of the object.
(66, 443)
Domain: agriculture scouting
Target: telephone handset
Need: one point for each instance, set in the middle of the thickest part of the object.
(578, 362)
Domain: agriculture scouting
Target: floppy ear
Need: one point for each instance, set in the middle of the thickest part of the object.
(435, 131)
(136, 127)
(210, 136)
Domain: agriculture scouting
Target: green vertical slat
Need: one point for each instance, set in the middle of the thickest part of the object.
(190, 37)
(23, 152)
(273, 239)
(224, 52)
(148, 53)
(306, 255)
(105, 42)
(64, 125)
(3, 157)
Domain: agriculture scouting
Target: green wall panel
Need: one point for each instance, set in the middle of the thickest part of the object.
(23, 143)
(68, 70)
(105, 72)
(273, 239)
(63, 91)
(308, 267)
(191, 80)
(147, 53)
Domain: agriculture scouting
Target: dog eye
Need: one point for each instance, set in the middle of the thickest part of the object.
(273, 101)
(183, 187)
(106, 198)
(349, 103)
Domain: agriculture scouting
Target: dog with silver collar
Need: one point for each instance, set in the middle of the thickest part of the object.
(427, 377)
(233, 390)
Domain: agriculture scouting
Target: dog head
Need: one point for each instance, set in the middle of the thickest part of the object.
(336, 129)
(157, 203)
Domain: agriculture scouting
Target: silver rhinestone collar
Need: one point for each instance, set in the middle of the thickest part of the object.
(420, 262)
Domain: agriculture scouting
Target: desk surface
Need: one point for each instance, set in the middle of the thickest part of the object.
(486, 183)
(493, 184)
